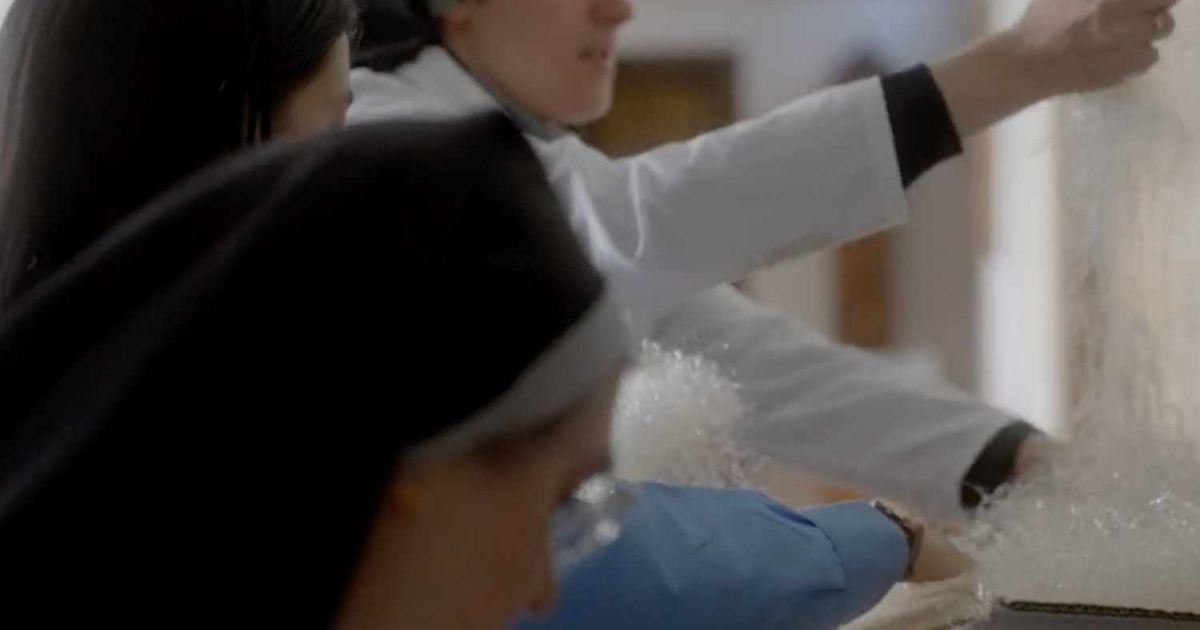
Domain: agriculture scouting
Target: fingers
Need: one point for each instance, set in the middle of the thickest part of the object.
(1139, 7)
(1164, 25)
(1133, 28)
(1142, 29)
(1126, 62)
(1094, 44)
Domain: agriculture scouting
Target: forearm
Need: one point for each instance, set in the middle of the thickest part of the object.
(987, 83)
(836, 411)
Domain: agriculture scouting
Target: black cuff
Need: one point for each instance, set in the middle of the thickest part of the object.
(995, 464)
(923, 131)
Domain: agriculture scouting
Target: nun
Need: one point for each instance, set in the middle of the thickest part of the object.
(360, 382)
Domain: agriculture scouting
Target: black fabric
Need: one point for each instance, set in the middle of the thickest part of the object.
(200, 413)
(996, 464)
(922, 127)
(393, 33)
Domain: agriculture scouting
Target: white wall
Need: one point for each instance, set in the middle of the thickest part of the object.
(4, 4)
(1020, 310)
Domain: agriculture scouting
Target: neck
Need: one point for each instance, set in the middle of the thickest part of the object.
(525, 118)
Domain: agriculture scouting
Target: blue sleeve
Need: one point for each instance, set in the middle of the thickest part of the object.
(720, 559)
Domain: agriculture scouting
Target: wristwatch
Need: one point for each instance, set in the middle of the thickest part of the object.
(914, 533)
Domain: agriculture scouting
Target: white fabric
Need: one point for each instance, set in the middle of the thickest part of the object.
(835, 410)
(671, 223)
(749, 194)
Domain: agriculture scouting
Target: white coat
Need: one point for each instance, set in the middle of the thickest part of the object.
(668, 227)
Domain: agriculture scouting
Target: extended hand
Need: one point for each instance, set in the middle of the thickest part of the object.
(1083, 45)
(1058, 47)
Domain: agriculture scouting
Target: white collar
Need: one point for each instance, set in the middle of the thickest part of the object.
(437, 74)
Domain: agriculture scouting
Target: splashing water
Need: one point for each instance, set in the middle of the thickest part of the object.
(677, 421)
(1116, 520)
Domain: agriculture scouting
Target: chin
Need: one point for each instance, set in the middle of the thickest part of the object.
(587, 111)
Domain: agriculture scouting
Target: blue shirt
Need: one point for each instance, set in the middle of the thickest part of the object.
(732, 559)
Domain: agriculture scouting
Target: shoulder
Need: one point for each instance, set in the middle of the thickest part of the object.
(387, 96)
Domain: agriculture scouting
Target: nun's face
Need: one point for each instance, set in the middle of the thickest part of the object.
(464, 544)
(555, 58)
(320, 102)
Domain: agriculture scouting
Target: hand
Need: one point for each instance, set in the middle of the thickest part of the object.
(932, 557)
(1059, 46)
(939, 560)
(914, 534)
(1083, 45)
(1035, 457)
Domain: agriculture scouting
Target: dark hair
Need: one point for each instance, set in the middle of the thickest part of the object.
(106, 104)
(394, 32)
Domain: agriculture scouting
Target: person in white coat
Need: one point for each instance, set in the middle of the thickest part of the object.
(670, 226)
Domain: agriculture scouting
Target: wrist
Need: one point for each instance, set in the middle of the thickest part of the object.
(1018, 67)
(991, 81)
(914, 535)
(1034, 457)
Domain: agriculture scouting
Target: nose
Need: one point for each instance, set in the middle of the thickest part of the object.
(612, 12)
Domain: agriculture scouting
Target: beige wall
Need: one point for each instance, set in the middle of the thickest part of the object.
(1131, 174)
